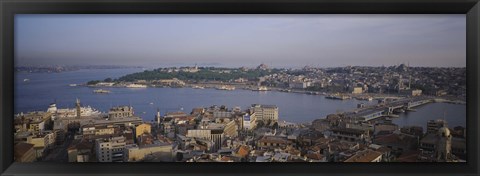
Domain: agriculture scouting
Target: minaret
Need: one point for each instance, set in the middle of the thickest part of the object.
(409, 81)
(78, 108)
(158, 118)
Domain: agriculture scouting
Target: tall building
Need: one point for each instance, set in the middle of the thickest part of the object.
(110, 149)
(434, 125)
(265, 112)
(249, 121)
(214, 135)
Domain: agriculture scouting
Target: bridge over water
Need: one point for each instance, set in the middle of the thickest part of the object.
(386, 108)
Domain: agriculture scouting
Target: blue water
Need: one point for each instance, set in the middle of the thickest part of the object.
(46, 88)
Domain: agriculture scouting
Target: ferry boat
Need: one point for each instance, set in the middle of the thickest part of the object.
(136, 86)
(226, 87)
(72, 112)
(101, 91)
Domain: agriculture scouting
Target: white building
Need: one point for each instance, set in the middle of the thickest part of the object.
(265, 112)
(249, 121)
(110, 149)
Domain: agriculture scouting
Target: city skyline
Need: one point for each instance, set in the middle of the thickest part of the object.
(288, 41)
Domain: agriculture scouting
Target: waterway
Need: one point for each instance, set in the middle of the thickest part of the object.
(45, 88)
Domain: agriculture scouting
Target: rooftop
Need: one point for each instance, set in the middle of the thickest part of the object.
(364, 156)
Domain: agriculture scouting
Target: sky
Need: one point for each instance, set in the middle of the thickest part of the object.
(281, 41)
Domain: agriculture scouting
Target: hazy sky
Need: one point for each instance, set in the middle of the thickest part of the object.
(241, 40)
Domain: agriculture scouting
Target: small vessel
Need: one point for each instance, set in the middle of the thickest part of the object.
(198, 87)
(101, 91)
(151, 103)
(72, 85)
(25, 80)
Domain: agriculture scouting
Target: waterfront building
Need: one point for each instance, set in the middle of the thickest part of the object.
(357, 90)
(267, 113)
(24, 152)
(120, 112)
(110, 149)
(416, 92)
(299, 84)
(138, 153)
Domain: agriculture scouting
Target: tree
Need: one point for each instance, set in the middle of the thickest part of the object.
(275, 125)
(93, 82)
(260, 123)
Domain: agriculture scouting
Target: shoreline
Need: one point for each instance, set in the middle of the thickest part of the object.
(360, 97)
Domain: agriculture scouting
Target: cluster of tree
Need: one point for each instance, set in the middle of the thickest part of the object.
(93, 82)
(202, 75)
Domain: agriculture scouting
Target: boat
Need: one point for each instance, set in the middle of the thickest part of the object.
(25, 80)
(101, 91)
(151, 103)
(72, 85)
(226, 87)
(198, 87)
(136, 86)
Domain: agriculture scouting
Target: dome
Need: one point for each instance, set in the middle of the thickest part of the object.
(444, 132)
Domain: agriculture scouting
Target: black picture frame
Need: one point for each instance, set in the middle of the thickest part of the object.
(11, 7)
